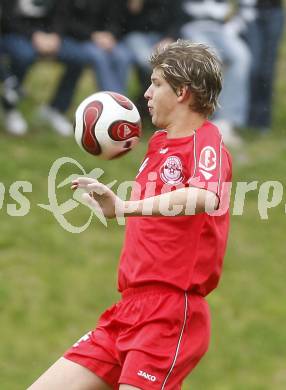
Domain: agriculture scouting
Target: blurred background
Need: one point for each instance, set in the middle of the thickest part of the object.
(54, 284)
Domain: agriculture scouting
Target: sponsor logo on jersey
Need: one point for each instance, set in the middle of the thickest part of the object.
(207, 160)
(147, 376)
(171, 172)
(163, 150)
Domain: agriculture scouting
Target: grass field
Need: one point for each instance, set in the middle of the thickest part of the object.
(54, 284)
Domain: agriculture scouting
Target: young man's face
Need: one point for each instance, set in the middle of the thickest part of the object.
(161, 100)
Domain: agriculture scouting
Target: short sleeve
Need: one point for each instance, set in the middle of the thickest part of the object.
(212, 163)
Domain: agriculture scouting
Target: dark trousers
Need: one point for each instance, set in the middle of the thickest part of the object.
(263, 37)
(22, 55)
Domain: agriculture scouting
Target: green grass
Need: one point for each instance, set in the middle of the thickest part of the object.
(54, 284)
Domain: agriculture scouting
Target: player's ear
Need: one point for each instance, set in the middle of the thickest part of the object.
(183, 93)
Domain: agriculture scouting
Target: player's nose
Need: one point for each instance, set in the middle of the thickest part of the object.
(148, 93)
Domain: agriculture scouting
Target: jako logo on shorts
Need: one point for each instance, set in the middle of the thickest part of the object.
(144, 374)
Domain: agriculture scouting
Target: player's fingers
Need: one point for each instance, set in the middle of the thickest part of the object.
(98, 188)
(82, 182)
(90, 201)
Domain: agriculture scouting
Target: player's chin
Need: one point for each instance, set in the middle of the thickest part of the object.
(158, 123)
(155, 121)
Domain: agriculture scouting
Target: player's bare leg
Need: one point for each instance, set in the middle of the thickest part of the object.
(65, 374)
(128, 387)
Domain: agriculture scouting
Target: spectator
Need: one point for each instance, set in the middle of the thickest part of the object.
(10, 93)
(93, 23)
(263, 36)
(207, 21)
(146, 24)
(30, 30)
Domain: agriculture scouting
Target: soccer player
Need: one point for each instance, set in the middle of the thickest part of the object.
(177, 227)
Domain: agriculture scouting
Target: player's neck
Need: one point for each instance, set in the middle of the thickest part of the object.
(185, 125)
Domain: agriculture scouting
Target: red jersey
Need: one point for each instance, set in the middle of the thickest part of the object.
(182, 251)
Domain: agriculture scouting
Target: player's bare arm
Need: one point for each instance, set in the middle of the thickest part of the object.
(183, 201)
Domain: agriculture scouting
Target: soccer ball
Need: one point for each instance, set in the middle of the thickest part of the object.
(107, 125)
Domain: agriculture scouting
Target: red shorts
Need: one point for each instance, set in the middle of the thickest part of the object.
(151, 339)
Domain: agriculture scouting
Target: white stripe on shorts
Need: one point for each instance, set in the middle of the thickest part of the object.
(179, 342)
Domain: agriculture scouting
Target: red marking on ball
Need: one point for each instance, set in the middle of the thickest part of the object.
(123, 130)
(121, 100)
(91, 115)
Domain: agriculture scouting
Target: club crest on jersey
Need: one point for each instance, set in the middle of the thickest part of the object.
(207, 159)
(171, 171)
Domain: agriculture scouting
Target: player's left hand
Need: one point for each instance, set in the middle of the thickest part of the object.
(99, 196)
